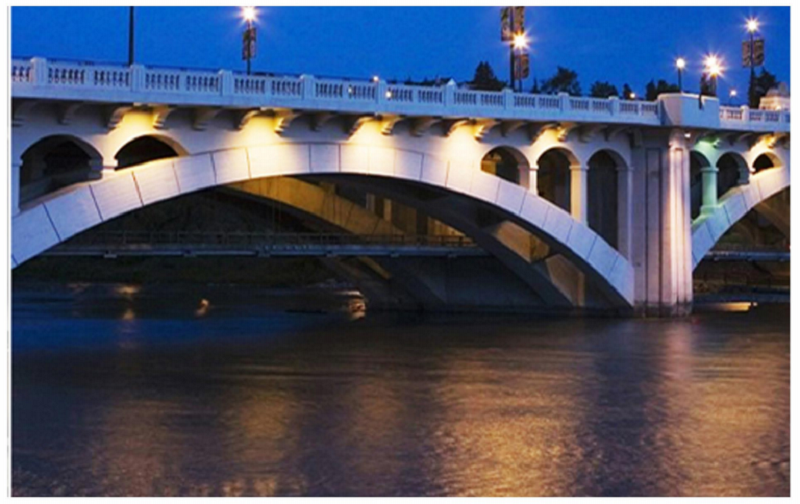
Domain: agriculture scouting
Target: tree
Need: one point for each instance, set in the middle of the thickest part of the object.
(564, 81)
(603, 90)
(762, 84)
(627, 92)
(485, 79)
(653, 90)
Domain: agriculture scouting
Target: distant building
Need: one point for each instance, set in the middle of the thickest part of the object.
(777, 98)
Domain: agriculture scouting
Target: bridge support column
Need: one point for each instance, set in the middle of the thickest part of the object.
(16, 166)
(625, 210)
(579, 177)
(709, 185)
(661, 247)
(533, 179)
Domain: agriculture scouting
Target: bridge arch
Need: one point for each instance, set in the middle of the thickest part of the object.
(604, 193)
(733, 206)
(554, 175)
(62, 215)
(732, 170)
(507, 163)
(765, 160)
(54, 162)
(145, 148)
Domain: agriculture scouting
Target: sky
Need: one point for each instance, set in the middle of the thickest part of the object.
(616, 44)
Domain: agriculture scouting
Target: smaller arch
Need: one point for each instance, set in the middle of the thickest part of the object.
(553, 175)
(732, 171)
(604, 194)
(765, 161)
(147, 148)
(54, 162)
(508, 164)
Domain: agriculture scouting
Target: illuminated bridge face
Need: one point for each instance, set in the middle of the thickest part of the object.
(587, 203)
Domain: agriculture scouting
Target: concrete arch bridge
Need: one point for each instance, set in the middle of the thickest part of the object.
(586, 204)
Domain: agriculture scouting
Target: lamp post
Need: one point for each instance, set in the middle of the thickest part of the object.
(249, 37)
(752, 28)
(713, 69)
(519, 44)
(130, 37)
(680, 64)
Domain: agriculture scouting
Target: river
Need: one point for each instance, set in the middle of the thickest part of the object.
(219, 390)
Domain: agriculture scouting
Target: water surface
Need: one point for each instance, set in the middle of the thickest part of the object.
(121, 390)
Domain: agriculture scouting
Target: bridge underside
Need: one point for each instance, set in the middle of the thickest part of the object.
(510, 270)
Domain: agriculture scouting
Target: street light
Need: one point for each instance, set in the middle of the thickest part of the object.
(713, 69)
(519, 44)
(249, 37)
(520, 41)
(680, 63)
(732, 94)
(752, 28)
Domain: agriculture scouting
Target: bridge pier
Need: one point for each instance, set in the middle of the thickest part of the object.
(662, 255)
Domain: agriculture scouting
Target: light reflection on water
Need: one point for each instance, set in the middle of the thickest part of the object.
(121, 392)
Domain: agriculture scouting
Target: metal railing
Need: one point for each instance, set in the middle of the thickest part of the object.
(212, 238)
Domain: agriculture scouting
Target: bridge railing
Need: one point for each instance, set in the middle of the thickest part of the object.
(55, 79)
(744, 114)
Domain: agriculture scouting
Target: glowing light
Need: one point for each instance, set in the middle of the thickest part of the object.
(388, 94)
(633, 96)
(713, 65)
(680, 63)
(249, 14)
(375, 78)
(733, 93)
(752, 25)
(520, 41)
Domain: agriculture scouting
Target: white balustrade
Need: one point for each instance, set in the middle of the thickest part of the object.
(21, 71)
(44, 74)
(629, 107)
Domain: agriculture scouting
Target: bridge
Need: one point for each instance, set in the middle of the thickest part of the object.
(584, 203)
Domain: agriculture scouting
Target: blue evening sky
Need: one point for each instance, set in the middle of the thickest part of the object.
(618, 44)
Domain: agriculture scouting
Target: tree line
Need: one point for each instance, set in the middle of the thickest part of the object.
(566, 80)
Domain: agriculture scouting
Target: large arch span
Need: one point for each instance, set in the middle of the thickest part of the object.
(733, 206)
(58, 216)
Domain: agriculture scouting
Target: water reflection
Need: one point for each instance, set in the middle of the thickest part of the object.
(252, 399)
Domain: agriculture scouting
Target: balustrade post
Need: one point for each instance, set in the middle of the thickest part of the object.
(613, 105)
(449, 93)
(39, 72)
(745, 113)
(137, 77)
(381, 88)
(508, 98)
(309, 88)
(563, 101)
(226, 82)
